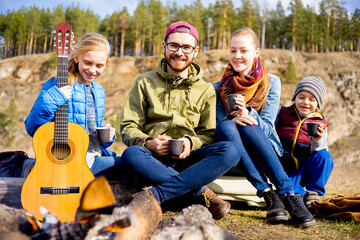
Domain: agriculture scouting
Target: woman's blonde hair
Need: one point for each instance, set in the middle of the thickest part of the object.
(247, 31)
(89, 42)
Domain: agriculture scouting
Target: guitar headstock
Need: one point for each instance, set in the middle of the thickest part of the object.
(64, 39)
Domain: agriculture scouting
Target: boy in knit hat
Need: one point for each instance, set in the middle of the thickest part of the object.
(306, 159)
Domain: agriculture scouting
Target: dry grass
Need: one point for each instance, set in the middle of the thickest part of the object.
(249, 223)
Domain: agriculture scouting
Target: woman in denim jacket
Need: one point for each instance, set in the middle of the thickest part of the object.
(251, 127)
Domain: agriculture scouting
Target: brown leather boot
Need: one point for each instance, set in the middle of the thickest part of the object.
(216, 206)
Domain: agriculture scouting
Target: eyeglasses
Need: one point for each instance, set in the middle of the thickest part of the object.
(174, 47)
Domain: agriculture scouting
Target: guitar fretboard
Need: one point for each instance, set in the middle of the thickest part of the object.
(61, 116)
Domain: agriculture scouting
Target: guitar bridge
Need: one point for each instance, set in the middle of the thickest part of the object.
(59, 190)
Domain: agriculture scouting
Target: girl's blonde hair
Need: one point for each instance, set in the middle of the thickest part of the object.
(247, 31)
(89, 42)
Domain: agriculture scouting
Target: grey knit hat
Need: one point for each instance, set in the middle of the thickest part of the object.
(314, 85)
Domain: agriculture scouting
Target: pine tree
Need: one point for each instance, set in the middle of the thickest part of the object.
(355, 30)
(290, 74)
(29, 30)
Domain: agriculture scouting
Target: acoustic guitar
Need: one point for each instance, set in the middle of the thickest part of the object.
(60, 174)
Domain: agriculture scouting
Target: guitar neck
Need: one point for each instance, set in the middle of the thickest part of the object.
(61, 116)
(62, 71)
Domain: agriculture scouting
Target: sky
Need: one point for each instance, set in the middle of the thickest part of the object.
(107, 7)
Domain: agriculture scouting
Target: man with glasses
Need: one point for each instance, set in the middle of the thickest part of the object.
(176, 102)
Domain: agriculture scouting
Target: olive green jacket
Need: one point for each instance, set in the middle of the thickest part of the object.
(160, 103)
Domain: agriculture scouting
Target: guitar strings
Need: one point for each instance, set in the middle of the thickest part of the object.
(61, 147)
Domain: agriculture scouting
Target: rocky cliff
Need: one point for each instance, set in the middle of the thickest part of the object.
(21, 79)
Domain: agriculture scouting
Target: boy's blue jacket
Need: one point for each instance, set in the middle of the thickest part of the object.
(51, 99)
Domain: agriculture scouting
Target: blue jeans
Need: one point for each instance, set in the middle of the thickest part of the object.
(314, 174)
(258, 159)
(103, 162)
(175, 177)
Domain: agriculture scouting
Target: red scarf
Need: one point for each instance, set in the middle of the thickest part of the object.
(252, 85)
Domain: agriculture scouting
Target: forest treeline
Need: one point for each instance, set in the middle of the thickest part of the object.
(29, 30)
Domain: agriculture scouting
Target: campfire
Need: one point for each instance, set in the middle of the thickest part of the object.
(112, 210)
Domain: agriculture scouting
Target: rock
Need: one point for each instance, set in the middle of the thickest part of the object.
(193, 222)
(207, 231)
(6, 69)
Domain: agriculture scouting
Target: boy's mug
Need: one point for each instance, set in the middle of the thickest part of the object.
(312, 128)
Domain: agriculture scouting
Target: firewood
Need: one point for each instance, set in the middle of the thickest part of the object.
(10, 191)
(123, 190)
(145, 214)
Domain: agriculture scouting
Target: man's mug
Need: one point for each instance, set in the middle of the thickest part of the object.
(176, 147)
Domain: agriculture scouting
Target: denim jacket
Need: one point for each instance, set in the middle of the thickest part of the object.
(267, 116)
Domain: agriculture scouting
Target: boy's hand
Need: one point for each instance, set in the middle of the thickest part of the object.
(158, 145)
(319, 133)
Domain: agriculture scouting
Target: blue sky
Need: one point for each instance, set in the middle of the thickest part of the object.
(104, 7)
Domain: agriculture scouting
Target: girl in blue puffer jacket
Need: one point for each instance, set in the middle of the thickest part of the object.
(86, 99)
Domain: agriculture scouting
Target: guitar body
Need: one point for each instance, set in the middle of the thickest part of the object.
(60, 174)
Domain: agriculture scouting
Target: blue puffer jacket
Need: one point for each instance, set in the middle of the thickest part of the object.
(268, 115)
(51, 99)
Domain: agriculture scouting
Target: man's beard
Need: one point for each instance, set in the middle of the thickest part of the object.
(176, 68)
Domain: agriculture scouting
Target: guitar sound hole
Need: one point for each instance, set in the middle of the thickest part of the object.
(60, 151)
